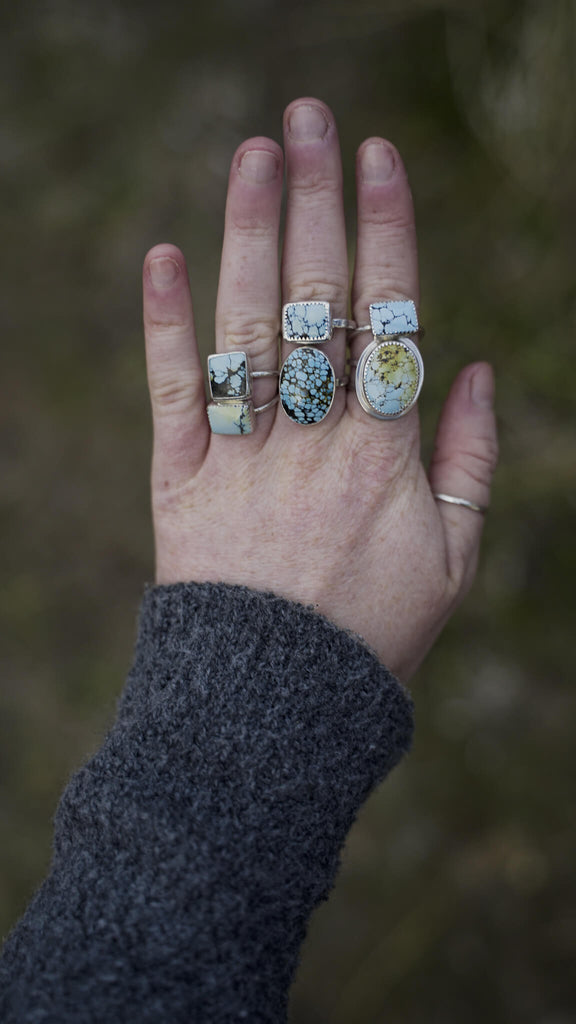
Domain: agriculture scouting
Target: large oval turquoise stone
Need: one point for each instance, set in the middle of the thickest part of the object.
(307, 385)
(391, 378)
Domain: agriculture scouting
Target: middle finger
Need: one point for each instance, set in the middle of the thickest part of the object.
(315, 263)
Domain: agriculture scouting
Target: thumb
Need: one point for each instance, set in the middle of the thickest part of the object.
(464, 460)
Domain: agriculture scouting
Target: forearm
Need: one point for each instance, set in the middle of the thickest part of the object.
(192, 849)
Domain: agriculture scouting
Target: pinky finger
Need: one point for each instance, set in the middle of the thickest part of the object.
(462, 466)
(175, 377)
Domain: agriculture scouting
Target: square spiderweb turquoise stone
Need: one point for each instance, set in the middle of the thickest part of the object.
(397, 316)
(306, 322)
(228, 375)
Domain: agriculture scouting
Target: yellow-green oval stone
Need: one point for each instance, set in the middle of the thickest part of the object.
(391, 378)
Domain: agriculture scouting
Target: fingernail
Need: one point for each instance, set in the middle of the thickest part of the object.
(307, 122)
(378, 163)
(482, 387)
(163, 271)
(258, 166)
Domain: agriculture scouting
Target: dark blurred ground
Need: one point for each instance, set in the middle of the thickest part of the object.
(118, 122)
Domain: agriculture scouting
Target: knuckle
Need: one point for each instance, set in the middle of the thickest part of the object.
(381, 464)
(254, 337)
(317, 184)
(480, 461)
(172, 394)
(306, 284)
(166, 324)
(492, 452)
(253, 226)
(399, 224)
(372, 290)
(477, 465)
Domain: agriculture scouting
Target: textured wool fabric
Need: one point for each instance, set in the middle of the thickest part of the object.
(190, 851)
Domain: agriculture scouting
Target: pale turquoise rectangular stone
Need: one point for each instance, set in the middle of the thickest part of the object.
(397, 316)
(306, 323)
(231, 417)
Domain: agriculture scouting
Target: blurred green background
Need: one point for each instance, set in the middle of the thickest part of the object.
(118, 122)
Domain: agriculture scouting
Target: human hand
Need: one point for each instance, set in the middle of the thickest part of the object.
(341, 514)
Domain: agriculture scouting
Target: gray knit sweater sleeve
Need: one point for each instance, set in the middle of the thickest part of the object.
(192, 848)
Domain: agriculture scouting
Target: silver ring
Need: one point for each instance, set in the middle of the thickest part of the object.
(230, 375)
(452, 500)
(389, 377)
(268, 405)
(311, 323)
(232, 410)
(392, 318)
(307, 385)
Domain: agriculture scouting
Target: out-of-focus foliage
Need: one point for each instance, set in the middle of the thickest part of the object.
(117, 124)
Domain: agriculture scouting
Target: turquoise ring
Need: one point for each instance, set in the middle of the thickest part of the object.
(311, 323)
(391, 317)
(389, 377)
(307, 385)
(232, 409)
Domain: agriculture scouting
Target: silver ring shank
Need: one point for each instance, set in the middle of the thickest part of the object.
(452, 500)
(268, 405)
(348, 325)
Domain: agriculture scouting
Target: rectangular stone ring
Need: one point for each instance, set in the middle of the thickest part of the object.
(311, 323)
(392, 318)
(231, 410)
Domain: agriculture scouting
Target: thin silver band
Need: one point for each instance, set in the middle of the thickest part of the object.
(273, 401)
(461, 501)
(342, 382)
(348, 325)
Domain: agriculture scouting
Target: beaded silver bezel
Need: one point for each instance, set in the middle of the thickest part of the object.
(365, 402)
(226, 409)
(302, 339)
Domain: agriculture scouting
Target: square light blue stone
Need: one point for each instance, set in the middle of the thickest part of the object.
(396, 316)
(306, 323)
